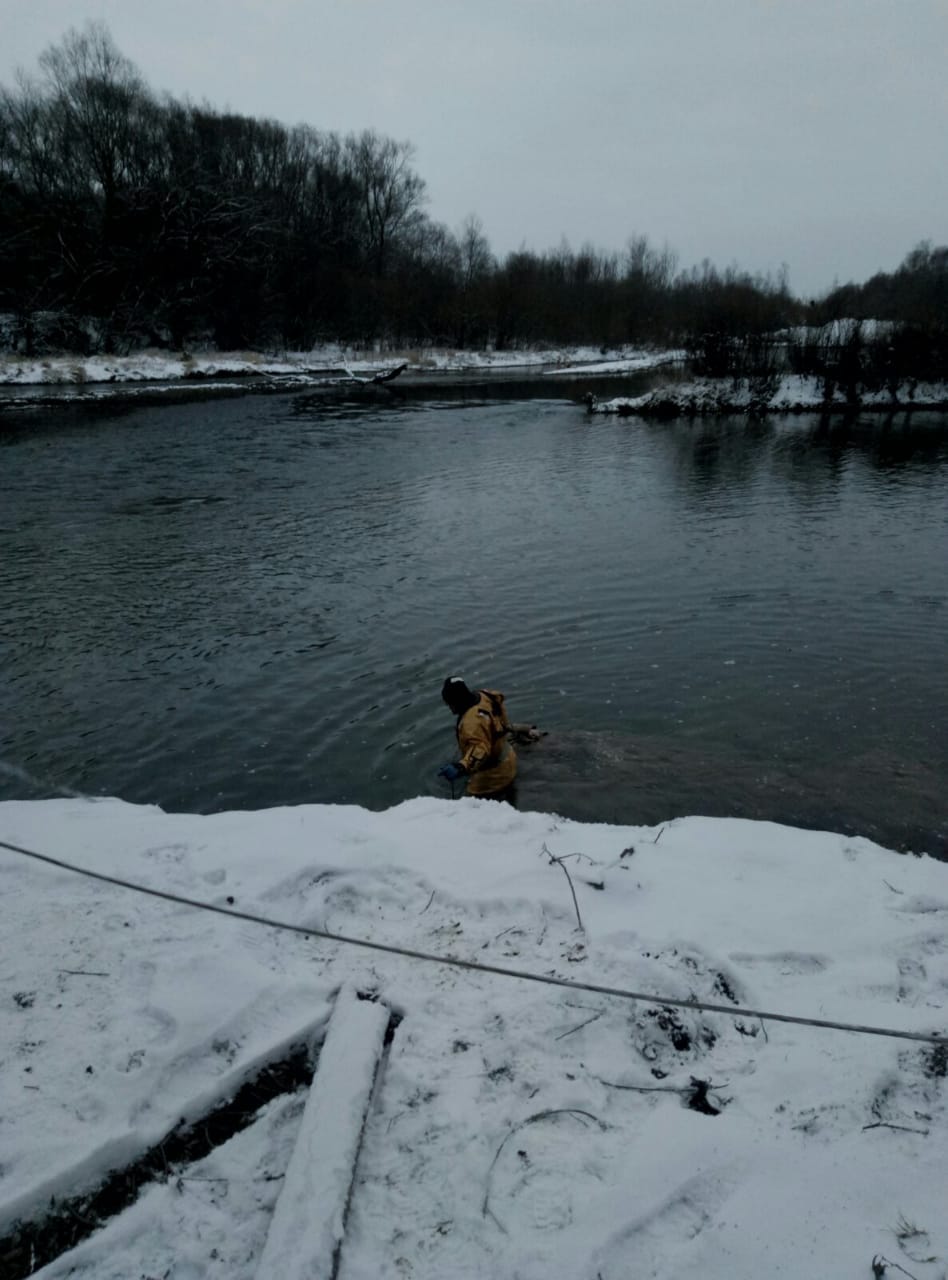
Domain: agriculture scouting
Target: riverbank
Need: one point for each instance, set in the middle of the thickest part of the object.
(328, 365)
(788, 394)
(515, 1129)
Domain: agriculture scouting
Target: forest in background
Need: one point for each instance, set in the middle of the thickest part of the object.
(130, 220)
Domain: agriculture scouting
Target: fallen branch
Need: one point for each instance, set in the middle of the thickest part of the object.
(582, 857)
(696, 1091)
(581, 1025)
(569, 880)
(643, 1088)
(391, 374)
(884, 1124)
(879, 1264)
(388, 375)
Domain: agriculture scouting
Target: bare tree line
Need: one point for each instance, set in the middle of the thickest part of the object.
(129, 219)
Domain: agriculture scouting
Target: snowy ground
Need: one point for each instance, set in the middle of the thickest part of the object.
(516, 1130)
(322, 362)
(630, 363)
(793, 394)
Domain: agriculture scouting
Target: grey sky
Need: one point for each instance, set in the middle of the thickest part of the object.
(810, 132)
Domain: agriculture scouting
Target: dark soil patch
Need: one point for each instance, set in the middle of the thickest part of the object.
(673, 1027)
(936, 1062)
(676, 1031)
(724, 988)
(698, 1099)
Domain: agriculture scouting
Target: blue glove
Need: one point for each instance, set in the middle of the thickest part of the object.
(451, 772)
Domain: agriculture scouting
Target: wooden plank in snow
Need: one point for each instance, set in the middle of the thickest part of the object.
(308, 1223)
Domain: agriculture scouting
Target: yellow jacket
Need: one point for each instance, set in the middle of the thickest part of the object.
(486, 754)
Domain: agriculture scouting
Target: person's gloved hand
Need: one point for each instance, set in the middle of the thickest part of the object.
(451, 772)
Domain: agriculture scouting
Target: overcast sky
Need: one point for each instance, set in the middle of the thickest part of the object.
(761, 132)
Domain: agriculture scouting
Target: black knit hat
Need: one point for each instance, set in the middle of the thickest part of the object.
(457, 695)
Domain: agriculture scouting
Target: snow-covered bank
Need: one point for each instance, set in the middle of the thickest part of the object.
(631, 363)
(334, 363)
(791, 394)
(517, 1130)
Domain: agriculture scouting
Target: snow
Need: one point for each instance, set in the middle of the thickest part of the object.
(629, 364)
(836, 332)
(792, 394)
(509, 1133)
(332, 362)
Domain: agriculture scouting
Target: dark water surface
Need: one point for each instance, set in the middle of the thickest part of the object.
(250, 602)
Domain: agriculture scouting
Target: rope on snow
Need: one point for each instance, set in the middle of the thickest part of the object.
(926, 1037)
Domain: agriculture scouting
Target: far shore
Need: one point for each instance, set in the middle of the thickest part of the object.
(161, 375)
(790, 394)
(329, 365)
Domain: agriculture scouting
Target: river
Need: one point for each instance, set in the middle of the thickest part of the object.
(246, 602)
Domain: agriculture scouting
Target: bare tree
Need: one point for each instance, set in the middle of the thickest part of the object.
(97, 97)
(475, 265)
(391, 192)
(477, 261)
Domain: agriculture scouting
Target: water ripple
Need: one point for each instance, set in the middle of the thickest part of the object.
(255, 601)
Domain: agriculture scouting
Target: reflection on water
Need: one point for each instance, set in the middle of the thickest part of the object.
(251, 602)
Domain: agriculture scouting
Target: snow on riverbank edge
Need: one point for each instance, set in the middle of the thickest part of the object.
(793, 394)
(330, 362)
(823, 1143)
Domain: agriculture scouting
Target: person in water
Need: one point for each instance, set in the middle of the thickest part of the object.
(486, 755)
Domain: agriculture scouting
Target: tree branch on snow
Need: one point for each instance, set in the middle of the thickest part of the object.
(696, 1091)
(880, 1264)
(884, 1124)
(580, 1026)
(560, 862)
(643, 1088)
